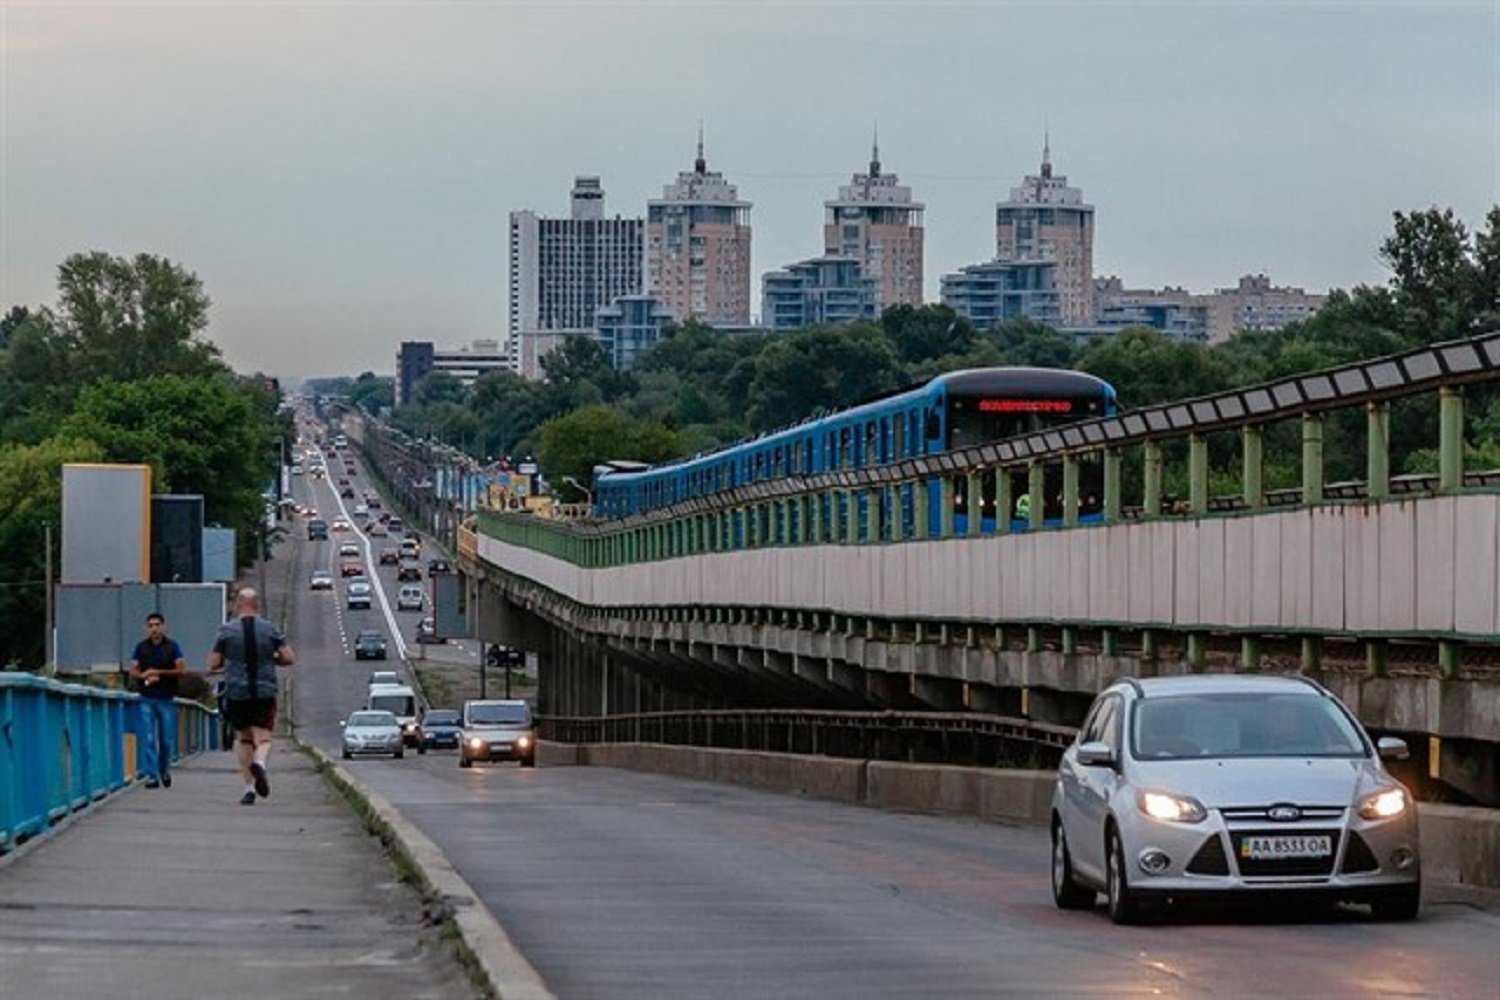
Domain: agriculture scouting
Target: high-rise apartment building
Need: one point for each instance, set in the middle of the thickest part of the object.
(698, 247)
(1046, 220)
(875, 222)
(998, 290)
(563, 270)
(813, 292)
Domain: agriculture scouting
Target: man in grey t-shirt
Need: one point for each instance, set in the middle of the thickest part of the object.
(248, 650)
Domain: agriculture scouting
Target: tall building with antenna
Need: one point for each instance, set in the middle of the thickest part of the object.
(698, 247)
(875, 222)
(1046, 220)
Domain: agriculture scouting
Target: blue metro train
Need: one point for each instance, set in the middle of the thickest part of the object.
(952, 411)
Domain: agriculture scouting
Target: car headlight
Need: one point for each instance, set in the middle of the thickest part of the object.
(1172, 808)
(1383, 804)
(523, 742)
(476, 743)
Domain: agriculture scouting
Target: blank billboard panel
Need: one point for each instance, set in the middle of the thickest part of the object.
(218, 555)
(106, 523)
(176, 539)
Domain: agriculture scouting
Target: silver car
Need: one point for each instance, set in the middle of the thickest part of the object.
(372, 731)
(1230, 785)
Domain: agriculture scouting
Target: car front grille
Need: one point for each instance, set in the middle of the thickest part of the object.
(1262, 814)
(1285, 867)
(1210, 859)
(1358, 857)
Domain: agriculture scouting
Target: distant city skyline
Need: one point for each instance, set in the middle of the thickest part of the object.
(341, 176)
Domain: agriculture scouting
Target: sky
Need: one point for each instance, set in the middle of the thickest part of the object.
(339, 174)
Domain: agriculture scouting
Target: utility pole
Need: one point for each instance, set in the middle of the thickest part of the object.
(47, 665)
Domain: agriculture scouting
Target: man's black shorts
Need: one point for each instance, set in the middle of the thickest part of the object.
(259, 713)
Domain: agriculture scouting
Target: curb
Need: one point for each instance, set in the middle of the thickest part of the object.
(494, 958)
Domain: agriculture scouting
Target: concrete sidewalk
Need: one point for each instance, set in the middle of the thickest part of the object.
(182, 892)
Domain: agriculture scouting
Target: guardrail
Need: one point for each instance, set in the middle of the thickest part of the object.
(64, 746)
(953, 737)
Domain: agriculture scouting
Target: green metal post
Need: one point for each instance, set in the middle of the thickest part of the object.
(1253, 486)
(1033, 639)
(1197, 650)
(1109, 642)
(1450, 438)
(873, 525)
(1375, 658)
(1070, 490)
(1378, 450)
(1312, 654)
(975, 504)
(1448, 659)
(1114, 510)
(1249, 653)
(1148, 644)
(1069, 641)
(945, 512)
(1152, 462)
(1198, 474)
(851, 513)
(1312, 458)
(922, 528)
(1036, 489)
(1004, 504)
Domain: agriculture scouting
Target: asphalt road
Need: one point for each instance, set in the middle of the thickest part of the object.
(618, 884)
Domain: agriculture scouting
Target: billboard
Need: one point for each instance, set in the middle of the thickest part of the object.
(106, 523)
(218, 555)
(98, 625)
(176, 539)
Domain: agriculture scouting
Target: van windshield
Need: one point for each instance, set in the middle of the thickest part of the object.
(499, 714)
(402, 705)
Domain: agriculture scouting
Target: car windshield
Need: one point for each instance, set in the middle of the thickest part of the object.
(499, 714)
(1241, 724)
(396, 704)
(369, 637)
(440, 719)
(367, 719)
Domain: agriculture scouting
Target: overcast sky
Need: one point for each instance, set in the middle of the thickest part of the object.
(339, 174)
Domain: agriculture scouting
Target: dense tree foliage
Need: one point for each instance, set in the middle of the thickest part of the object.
(118, 371)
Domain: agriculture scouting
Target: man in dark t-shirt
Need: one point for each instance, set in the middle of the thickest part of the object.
(248, 651)
(155, 666)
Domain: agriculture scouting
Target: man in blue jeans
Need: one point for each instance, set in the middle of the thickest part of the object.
(155, 666)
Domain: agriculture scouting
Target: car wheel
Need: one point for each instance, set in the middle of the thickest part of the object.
(465, 762)
(1400, 903)
(1066, 892)
(1124, 907)
(348, 755)
(400, 754)
(528, 762)
(421, 748)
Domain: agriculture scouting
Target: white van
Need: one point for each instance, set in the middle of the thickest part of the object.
(410, 548)
(400, 701)
(409, 598)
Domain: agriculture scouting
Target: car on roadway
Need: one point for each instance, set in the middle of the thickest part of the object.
(351, 567)
(349, 549)
(439, 729)
(497, 729)
(381, 678)
(339, 524)
(369, 645)
(357, 594)
(427, 632)
(409, 573)
(368, 731)
(347, 492)
(409, 598)
(375, 529)
(317, 530)
(435, 566)
(321, 580)
(390, 557)
(396, 524)
(360, 510)
(1241, 786)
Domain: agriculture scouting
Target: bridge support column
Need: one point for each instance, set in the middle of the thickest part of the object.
(945, 510)
(1109, 642)
(1152, 469)
(1148, 644)
(897, 526)
(939, 692)
(851, 517)
(1249, 653)
(1197, 650)
(1033, 639)
(1378, 450)
(1070, 490)
(1449, 657)
(1312, 458)
(922, 527)
(1450, 438)
(1312, 654)
(1198, 474)
(874, 526)
(1375, 657)
(1069, 641)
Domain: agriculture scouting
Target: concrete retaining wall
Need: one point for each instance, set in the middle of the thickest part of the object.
(1459, 845)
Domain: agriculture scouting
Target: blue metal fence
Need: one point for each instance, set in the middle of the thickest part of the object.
(63, 746)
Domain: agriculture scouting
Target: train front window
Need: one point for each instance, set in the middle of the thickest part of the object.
(974, 421)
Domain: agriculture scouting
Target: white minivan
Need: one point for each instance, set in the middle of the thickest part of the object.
(409, 598)
(400, 701)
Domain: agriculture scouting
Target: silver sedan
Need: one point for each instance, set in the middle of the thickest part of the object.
(1232, 785)
(372, 732)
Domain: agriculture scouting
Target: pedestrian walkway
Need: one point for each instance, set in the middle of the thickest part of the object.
(184, 893)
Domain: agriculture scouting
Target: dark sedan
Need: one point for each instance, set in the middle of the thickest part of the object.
(369, 646)
(439, 729)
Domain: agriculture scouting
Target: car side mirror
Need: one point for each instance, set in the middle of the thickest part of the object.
(1096, 753)
(1392, 748)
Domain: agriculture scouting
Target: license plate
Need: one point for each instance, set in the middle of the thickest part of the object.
(1271, 848)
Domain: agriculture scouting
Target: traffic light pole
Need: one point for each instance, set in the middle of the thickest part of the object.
(484, 656)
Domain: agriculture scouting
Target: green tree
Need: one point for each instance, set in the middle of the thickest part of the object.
(372, 393)
(31, 496)
(200, 434)
(1027, 342)
(821, 368)
(572, 444)
(1147, 367)
(921, 333)
(441, 387)
(509, 409)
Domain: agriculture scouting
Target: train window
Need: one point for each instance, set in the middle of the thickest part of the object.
(898, 433)
(844, 449)
(872, 439)
(807, 456)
